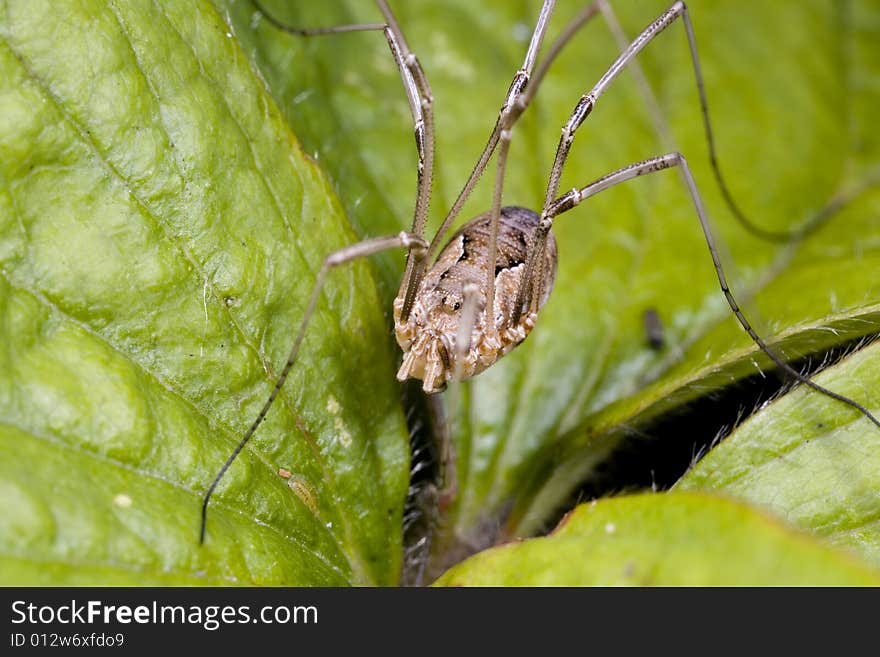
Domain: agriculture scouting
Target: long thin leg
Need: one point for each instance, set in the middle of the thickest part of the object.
(567, 34)
(469, 312)
(678, 9)
(355, 251)
(422, 107)
(495, 220)
(421, 104)
(582, 110)
(517, 103)
(511, 110)
(574, 197)
(588, 101)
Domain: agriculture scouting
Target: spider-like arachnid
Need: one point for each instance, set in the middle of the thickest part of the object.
(161, 229)
(467, 300)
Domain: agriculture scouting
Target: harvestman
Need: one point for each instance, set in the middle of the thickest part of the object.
(501, 264)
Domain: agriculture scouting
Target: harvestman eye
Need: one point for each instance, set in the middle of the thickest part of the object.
(463, 306)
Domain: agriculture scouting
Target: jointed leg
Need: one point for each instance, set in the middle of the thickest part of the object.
(469, 312)
(511, 110)
(521, 92)
(576, 196)
(588, 101)
(355, 251)
(678, 9)
(421, 104)
(581, 111)
(584, 17)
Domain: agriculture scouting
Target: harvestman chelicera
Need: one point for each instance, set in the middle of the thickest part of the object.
(501, 265)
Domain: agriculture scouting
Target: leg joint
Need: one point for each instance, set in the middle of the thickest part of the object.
(416, 245)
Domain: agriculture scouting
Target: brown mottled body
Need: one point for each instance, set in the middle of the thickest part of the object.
(428, 336)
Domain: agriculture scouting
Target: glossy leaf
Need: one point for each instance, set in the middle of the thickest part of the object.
(160, 230)
(669, 539)
(791, 89)
(809, 460)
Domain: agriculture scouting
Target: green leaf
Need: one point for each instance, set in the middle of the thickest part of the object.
(160, 229)
(792, 90)
(669, 539)
(809, 460)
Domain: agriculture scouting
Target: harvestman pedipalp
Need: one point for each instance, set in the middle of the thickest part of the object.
(501, 265)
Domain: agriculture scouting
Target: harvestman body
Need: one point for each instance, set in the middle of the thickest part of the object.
(481, 296)
(432, 348)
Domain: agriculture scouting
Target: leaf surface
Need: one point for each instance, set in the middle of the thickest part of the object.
(791, 90)
(160, 230)
(809, 460)
(667, 539)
